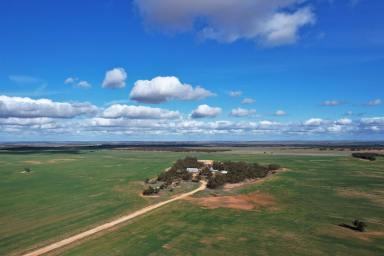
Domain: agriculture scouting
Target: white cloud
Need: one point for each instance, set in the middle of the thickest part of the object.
(115, 78)
(205, 111)
(344, 121)
(248, 101)
(373, 120)
(83, 84)
(266, 22)
(139, 112)
(27, 107)
(235, 93)
(241, 112)
(266, 124)
(332, 103)
(71, 80)
(374, 102)
(314, 122)
(75, 82)
(162, 89)
(280, 113)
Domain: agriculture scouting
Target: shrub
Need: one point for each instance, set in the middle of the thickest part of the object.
(360, 225)
(366, 155)
(150, 190)
(274, 167)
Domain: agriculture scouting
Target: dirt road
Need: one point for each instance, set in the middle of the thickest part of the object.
(111, 224)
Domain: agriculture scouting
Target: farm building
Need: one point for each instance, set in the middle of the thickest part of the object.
(192, 170)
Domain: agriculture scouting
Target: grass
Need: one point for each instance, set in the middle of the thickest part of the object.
(317, 194)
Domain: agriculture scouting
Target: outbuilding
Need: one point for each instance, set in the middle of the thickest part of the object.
(192, 170)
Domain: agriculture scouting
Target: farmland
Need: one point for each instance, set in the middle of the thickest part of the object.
(68, 192)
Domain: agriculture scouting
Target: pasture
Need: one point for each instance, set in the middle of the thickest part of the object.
(66, 193)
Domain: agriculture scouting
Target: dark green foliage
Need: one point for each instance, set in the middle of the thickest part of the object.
(178, 170)
(205, 172)
(216, 181)
(150, 190)
(359, 225)
(27, 169)
(366, 155)
(274, 167)
(237, 172)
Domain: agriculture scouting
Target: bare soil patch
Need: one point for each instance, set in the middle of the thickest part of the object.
(33, 162)
(253, 201)
(58, 160)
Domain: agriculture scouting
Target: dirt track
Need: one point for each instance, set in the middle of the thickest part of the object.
(110, 224)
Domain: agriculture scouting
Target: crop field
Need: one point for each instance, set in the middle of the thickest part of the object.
(295, 212)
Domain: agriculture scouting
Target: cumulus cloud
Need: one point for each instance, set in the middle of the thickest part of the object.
(344, 121)
(139, 112)
(205, 111)
(241, 112)
(314, 122)
(162, 89)
(268, 23)
(75, 82)
(235, 93)
(331, 103)
(374, 102)
(115, 78)
(248, 101)
(373, 120)
(280, 113)
(27, 107)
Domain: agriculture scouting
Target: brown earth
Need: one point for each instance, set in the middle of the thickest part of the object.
(253, 201)
(341, 232)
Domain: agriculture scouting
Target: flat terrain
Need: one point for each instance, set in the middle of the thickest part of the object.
(296, 212)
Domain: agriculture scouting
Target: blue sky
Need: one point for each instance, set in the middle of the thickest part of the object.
(321, 63)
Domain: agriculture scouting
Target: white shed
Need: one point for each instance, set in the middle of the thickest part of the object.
(192, 170)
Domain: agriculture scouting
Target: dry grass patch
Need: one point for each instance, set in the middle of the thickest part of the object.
(341, 232)
(32, 162)
(58, 160)
(376, 197)
(253, 201)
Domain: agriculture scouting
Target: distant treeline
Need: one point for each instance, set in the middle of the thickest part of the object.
(78, 148)
(367, 155)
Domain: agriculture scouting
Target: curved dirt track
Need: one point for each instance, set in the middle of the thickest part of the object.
(110, 224)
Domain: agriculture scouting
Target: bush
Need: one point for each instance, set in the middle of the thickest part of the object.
(150, 190)
(360, 225)
(216, 181)
(366, 155)
(274, 167)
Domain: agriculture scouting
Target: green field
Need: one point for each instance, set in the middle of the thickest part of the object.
(67, 193)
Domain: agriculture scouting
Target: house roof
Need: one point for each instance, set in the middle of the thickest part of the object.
(192, 169)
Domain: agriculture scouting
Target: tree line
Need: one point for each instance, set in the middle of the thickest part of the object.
(238, 172)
